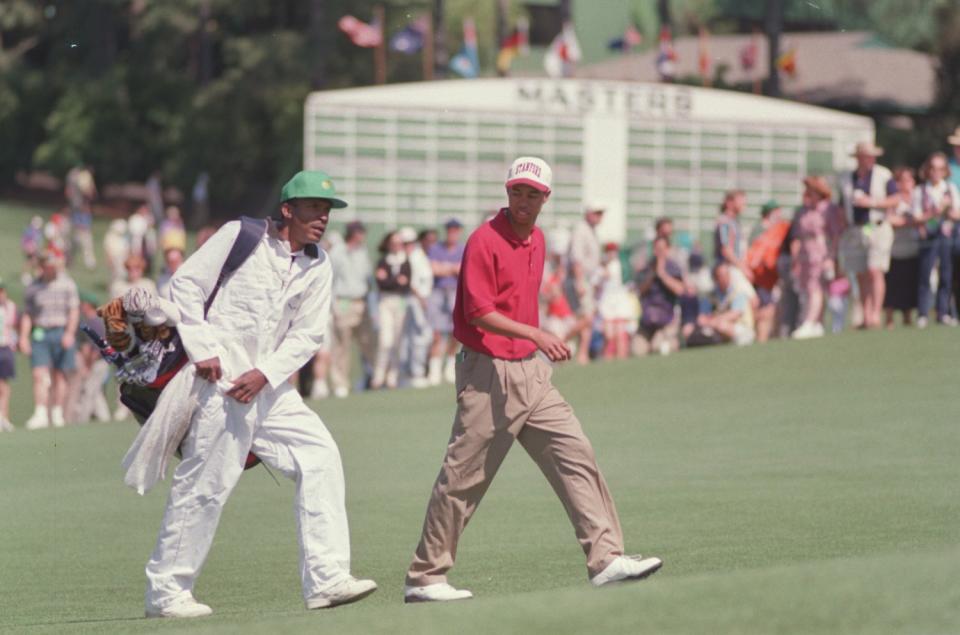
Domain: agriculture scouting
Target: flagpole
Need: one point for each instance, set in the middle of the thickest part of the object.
(757, 82)
(502, 8)
(428, 49)
(380, 51)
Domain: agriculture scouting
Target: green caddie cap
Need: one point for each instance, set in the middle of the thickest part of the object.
(89, 297)
(768, 207)
(311, 184)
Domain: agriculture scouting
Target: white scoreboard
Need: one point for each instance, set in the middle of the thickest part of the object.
(418, 153)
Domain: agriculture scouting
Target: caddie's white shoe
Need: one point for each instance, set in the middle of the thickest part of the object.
(626, 568)
(440, 592)
(350, 590)
(187, 607)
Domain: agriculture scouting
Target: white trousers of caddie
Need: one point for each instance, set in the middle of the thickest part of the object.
(289, 437)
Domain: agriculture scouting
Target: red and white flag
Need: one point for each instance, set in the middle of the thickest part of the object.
(360, 33)
(563, 53)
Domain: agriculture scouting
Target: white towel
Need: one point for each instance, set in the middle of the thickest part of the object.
(147, 459)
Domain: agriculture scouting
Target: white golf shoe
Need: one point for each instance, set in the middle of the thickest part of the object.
(56, 417)
(808, 330)
(187, 607)
(350, 590)
(440, 592)
(38, 420)
(626, 568)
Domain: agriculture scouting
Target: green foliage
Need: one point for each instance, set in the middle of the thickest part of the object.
(131, 86)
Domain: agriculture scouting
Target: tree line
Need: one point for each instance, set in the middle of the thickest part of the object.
(218, 86)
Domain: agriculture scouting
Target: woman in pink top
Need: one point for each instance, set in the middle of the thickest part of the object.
(814, 249)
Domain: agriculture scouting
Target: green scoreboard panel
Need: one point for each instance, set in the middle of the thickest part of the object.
(409, 167)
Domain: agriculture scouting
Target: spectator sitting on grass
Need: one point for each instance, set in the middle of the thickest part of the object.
(732, 320)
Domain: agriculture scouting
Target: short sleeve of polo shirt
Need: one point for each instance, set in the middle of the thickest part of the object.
(74, 296)
(891, 187)
(479, 283)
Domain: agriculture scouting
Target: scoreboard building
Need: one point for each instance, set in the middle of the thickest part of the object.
(418, 153)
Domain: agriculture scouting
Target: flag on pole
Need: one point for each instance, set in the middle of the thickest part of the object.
(704, 61)
(787, 62)
(409, 39)
(563, 53)
(362, 34)
(631, 38)
(748, 54)
(517, 43)
(466, 63)
(666, 61)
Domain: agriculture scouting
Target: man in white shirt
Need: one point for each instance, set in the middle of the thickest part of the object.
(266, 321)
(584, 258)
(418, 335)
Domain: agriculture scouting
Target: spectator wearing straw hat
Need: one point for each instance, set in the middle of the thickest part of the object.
(813, 248)
(867, 193)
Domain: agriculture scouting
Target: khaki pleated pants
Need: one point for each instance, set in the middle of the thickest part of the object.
(499, 401)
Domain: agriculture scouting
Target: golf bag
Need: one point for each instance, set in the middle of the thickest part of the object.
(141, 398)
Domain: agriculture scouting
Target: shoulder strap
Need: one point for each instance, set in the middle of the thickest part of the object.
(251, 231)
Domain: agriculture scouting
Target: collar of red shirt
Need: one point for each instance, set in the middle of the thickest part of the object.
(503, 227)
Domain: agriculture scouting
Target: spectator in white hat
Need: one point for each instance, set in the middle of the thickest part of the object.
(584, 258)
(868, 192)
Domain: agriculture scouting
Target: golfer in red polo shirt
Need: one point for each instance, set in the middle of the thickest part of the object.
(504, 393)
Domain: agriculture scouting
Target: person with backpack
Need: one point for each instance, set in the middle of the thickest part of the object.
(246, 333)
(762, 256)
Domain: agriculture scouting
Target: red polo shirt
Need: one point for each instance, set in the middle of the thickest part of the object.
(500, 272)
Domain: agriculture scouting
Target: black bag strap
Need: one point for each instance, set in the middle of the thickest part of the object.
(251, 231)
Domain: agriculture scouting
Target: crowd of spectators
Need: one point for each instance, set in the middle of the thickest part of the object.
(854, 251)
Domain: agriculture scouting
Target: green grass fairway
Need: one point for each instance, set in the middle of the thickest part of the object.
(796, 487)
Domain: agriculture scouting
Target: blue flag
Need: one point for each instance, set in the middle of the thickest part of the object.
(466, 63)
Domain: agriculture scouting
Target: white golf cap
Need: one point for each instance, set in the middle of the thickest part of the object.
(531, 171)
(595, 206)
(407, 234)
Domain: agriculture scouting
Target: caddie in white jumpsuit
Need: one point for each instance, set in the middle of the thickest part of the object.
(266, 321)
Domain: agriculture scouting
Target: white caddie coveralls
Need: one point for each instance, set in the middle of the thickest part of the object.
(271, 314)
